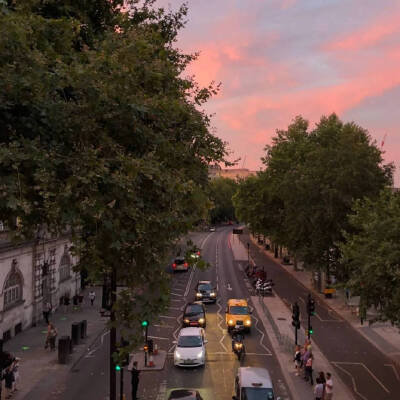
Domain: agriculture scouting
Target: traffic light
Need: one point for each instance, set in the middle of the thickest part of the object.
(118, 367)
(146, 348)
(145, 323)
(310, 305)
(310, 330)
(296, 315)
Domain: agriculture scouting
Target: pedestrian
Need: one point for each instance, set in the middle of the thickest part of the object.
(66, 302)
(321, 377)
(46, 311)
(297, 360)
(135, 380)
(328, 387)
(51, 337)
(309, 370)
(305, 356)
(318, 390)
(8, 379)
(92, 297)
(15, 370)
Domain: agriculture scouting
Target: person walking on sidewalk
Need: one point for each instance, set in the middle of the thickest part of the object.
(328, 387)
(92, 297)
(322, 378)
(51, 337)
(319, 390)
(15, 370)
(46, 311)
(297, 360)
(309, 370)
(135, 380)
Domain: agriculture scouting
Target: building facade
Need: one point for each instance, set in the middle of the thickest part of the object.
(31, 274)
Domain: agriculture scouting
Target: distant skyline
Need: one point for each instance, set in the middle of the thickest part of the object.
(280, 58)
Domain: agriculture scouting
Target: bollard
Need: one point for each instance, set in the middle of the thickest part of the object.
(76, 333)
(63, 349)
(151, 361)
(83, 328)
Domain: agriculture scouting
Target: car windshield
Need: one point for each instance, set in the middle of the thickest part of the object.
(239, 310)
(204, 286)
(257, 394)
(190, 341)
(194, 309)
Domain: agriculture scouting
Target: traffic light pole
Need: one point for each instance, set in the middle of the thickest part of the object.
(145, 342)
(309, 326)
(113, 335)
(121, 393)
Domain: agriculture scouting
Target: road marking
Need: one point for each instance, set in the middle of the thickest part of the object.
(158, 337)
(176, 294)
(228, 286)
(178, 300)
(163, 326)
(175, 308)
(262, 337)
(162, 391)
(352, 379)
(394, 370)
(167, 316)
(368, 370)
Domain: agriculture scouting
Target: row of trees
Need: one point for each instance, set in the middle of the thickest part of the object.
(101, 135)
(319, 190)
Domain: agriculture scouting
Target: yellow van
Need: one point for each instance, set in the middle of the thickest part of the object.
(238, 315)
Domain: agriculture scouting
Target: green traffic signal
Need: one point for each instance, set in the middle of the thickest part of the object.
(311, 331)
(145, 323)
(118, 367)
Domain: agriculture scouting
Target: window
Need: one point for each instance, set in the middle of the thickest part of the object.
(65, 267)
(13, 289)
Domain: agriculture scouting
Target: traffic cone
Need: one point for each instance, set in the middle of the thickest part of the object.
(155, 350)
(151, 361)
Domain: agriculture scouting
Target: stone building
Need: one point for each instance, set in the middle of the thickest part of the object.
(32, 273)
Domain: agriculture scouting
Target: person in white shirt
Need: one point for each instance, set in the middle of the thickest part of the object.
(328, 387)
(318, 390)
(92, 296)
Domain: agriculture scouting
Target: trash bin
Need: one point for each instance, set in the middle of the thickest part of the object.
(76, 333)
(63, 349)
(83, 328)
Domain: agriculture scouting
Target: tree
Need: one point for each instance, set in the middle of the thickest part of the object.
(221, 192)
(101, 136)
(371, 255)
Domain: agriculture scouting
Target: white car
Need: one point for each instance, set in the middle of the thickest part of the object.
(190, 350)
(212, 229)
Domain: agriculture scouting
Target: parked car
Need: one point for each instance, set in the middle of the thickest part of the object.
(179, 263)
(185, 394)
(205, 292)
(194, 315)
(212, 229)
(190, 349)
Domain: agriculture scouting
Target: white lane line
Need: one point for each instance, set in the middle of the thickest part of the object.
(367, 369)
(167, 316)
(163, 326)
(228, 286)
(352, 379)
(158, 337)
(178, 300)
(394, 370)
(176, 294)
(189, 281)
(175, 308)
(262, 337)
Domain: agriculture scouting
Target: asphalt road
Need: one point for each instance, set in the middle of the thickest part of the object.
(367, 372)
(89, 379)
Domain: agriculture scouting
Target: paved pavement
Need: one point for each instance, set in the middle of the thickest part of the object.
(368, 372)
(41, 376)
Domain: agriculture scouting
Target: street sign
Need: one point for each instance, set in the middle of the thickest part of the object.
(237, 231)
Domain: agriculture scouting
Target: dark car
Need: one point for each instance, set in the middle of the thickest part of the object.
(194, 315)
(205, 292)
(185, 394)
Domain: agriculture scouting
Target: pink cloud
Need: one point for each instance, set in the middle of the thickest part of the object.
(369, 35)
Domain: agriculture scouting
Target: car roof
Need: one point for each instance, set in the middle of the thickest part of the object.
(192, 331)
(179, 258)
(237, 302)
(254, 377)
(199, 303)
(204, 282)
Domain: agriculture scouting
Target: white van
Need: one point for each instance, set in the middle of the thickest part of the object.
(253, 383)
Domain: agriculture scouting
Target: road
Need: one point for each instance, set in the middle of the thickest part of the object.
(216, 379)
(366, 371)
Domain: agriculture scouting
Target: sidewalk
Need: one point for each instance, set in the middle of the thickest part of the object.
(38, 364)
(384, 336)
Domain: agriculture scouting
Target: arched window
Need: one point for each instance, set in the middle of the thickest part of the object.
(13, 288)
(65, 267)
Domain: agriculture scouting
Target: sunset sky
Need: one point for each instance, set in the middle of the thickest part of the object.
(280, 58)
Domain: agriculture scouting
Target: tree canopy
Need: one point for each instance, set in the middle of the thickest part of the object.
(371, 255)
(311, 180)
(102, 135)
(221, 192)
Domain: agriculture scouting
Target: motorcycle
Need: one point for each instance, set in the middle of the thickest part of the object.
(238, 345)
